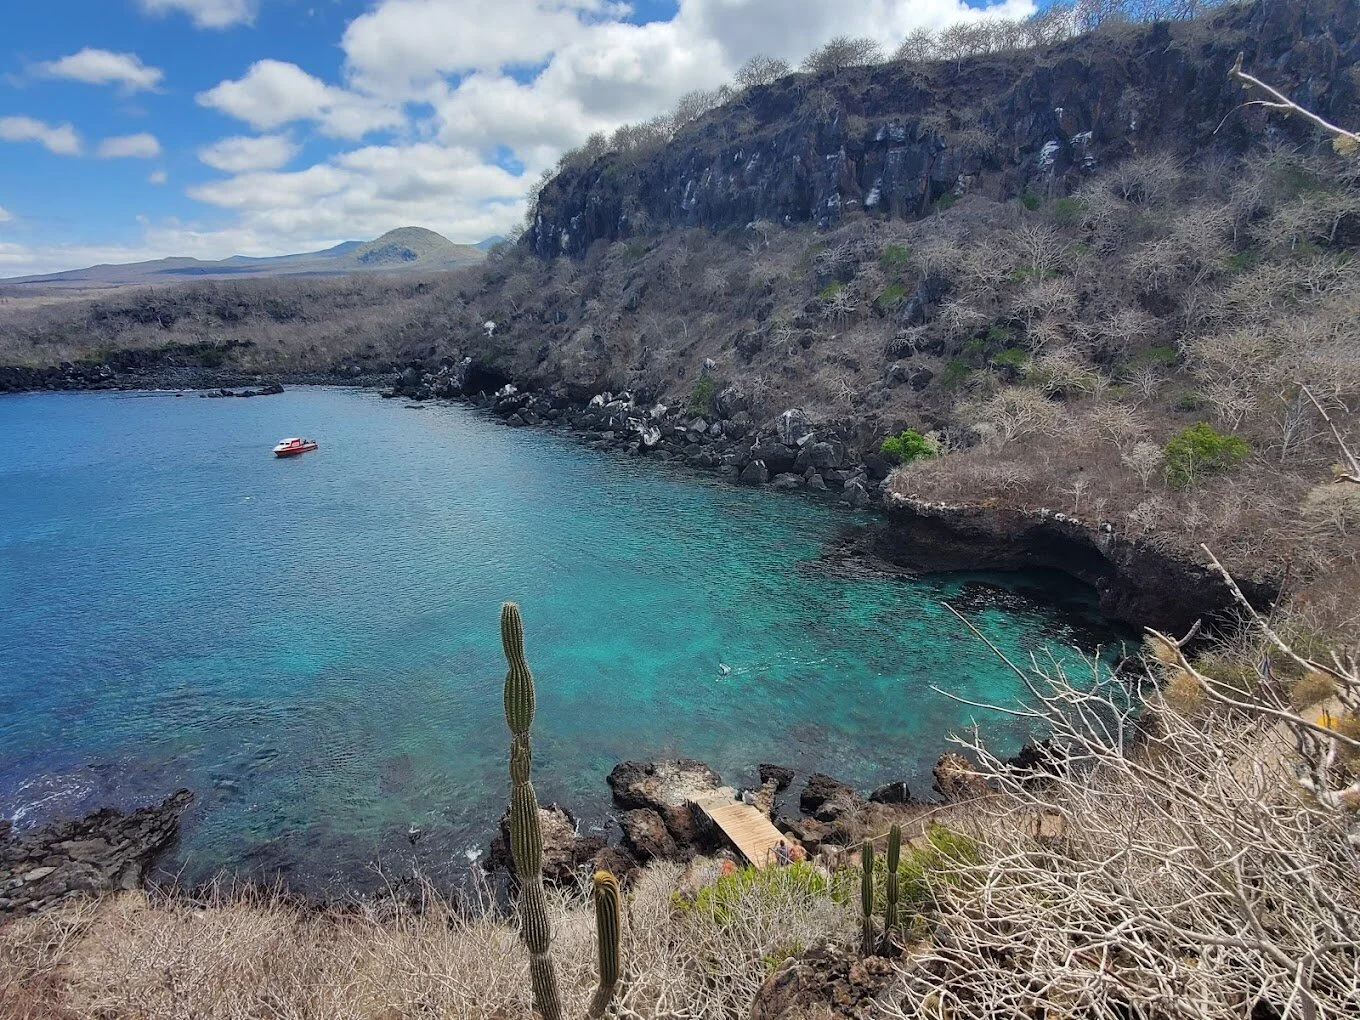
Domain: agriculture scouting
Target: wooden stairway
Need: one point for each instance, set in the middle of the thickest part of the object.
(747, 827)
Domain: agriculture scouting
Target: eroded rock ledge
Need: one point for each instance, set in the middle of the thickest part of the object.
(1137, 582)
(104, 851)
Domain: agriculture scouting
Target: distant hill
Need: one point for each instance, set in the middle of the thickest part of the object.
(401, 250)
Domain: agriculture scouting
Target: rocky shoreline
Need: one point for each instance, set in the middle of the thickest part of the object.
(105, 851)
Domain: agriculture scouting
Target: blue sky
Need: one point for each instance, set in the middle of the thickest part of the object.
(134, 129)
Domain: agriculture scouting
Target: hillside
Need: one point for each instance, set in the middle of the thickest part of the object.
(402, 250)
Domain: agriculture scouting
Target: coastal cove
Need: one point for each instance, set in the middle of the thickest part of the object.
(311, 645)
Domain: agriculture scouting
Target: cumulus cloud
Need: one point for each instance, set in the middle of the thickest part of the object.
(406, 43)
(139, 146)
(449, 90)
(57, 138)
(5, 215)
(103, 67)
(206, 13)
(243, 154)
(369, 191)
(273, 93)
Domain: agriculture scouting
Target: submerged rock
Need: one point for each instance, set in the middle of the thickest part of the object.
(827, 799)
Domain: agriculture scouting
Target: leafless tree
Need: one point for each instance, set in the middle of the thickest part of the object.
(761, 70)
(844, 52)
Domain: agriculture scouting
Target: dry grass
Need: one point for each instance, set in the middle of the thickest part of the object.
(135, 958)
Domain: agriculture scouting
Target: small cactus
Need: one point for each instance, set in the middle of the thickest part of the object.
(890, 909)
(526, 838)
(608, 906)
(866, 894)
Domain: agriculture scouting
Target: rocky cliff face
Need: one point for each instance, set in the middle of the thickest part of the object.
(892, 140)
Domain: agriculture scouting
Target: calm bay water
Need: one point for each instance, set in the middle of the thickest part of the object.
(311, 644)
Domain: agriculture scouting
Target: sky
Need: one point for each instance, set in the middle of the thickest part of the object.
(141, 129)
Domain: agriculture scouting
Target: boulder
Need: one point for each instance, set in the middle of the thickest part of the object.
(956, 779)
(877, 467)
(815, 483)
(856, 495)
(891, 793)
(565, 854)
(618, 862)
(782, 777)
(776, 456)
(754, 473)
(825, 796)
(660, 785)
(825, 982)
(808, 831)
(793, 426)
(103, 851)
(787, 482)
(646, 836)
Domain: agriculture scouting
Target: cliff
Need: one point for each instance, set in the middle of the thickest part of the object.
(893, 139)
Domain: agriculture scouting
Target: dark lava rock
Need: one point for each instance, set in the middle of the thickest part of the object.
(4, 830)
(103, 851)
(808, 831)
(824, 982)
(825, 795)
(659, 785)
(782, 777)
(956, 779)
(787, 482)
(755, 473)
(877, 466)
(646, 836)
(856, 494)
(777, 458)
(565, 854)
(794, 426)
(618, 862)
(891, 793)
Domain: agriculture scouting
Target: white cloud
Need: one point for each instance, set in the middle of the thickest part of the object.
(140, 146)
(273, 93)
(60, 138)
(102, 67)
(157, 177)
(5, 215)
(406, 43)
(443, 78)
(206, 13)
(244, 154)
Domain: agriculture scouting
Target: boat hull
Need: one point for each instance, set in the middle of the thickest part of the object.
(293, 451)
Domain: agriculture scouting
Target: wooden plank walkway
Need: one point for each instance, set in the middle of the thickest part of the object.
(747, 827)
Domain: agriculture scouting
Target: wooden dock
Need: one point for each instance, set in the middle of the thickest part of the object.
(747, 827)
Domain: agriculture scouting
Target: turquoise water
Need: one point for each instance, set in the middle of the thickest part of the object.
(312, 646)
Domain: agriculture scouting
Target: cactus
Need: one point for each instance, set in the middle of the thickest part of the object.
(607, 909)
(890, 910)
(526, 839)
(866, 894)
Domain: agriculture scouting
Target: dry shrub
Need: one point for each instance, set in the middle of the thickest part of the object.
(257, 955)
(1311, 689)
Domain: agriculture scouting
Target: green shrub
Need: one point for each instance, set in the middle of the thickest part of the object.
(895, 257)
(999, 334)
(1068, 212)
(1162, 355)
(1241, 261)
(1201, 450)
(1012, 358)
(830, 290)
(945, 201)
(701, 396)
(910, 445)
(723, 901)
(1031, 200)
(892, 297)
(955, 374)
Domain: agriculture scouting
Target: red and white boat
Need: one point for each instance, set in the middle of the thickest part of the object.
(292, 447)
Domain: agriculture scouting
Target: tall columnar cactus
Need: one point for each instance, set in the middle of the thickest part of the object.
(866, 894)
(526, 839)
(890, 910)
(608, 906)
